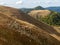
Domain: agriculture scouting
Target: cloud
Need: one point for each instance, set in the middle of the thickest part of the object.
(53, 2)
(19, 2)
(2, 3)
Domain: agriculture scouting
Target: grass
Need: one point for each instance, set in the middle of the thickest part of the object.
(14, 31)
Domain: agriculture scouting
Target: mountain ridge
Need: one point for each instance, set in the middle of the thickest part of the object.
(26, 10)
(57, 9)
(18, 28)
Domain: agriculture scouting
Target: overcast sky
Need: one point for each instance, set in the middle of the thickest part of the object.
(30, 3)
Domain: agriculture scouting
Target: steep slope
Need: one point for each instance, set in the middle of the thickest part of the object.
(18, 28)
(22, 16)
(18, 32)
(38, 14)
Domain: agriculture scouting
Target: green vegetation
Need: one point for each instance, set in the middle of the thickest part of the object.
(51, 19)
(18, 28)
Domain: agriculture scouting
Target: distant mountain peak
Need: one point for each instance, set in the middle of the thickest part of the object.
(26, 10)
(39, 7)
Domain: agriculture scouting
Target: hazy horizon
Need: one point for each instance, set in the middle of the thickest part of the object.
(29, 3)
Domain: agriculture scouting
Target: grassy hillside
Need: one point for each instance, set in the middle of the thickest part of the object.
(18, 28)
(47, 16)
(39, 13)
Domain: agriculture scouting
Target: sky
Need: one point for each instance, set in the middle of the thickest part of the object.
(29, 3)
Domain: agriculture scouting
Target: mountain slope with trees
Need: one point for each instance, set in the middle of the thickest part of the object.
(18, 28)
